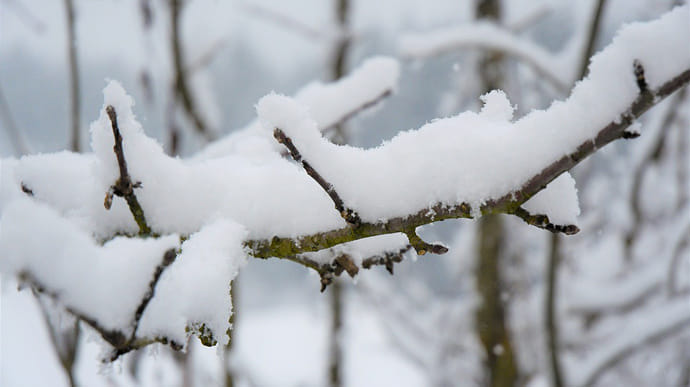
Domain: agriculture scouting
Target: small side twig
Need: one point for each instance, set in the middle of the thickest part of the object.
(343, 263)
(74, 75)
(422, 247)
(121, 342)
(181, 85)
(168, 258)
(17, 137)
(366, 105)
(387, 259)
(348, 214)
(124, 187)
(542, 221)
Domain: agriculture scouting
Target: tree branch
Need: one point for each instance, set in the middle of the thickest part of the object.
(364, 106)
(21, 146)
(343, 262)
(348, 214)
(74, 75)
(284, 247)
(124, 187)
(181, 86)
(542, 221)
(121, 342)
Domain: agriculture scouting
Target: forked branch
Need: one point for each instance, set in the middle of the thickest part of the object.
(286, 247)
(124, 187)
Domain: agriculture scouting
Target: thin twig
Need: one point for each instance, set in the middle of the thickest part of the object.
(542, 221)
(592, 35)
(422, 247)
(343, 263)
(550, 313)
(21, 146)
(73, 75)
(181, 86)
(366, 105)
(348, 214)
(283, 20)
(124, 187)
(168, 258)
(65, 340)
(122, 343)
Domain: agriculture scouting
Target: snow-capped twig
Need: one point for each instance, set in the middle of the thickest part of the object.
(283, 247)
(118, 339)
(592, 35)
(168, 258)
(488, 36)
(347, 213)
(124, 187)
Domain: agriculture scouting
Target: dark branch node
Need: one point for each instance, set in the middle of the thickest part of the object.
(543, 222)
(27, 190)
(344, 263)
(422, 247)
(639, 76)
(168, 258)
(348, 214)
(628, 135)
(124, 187)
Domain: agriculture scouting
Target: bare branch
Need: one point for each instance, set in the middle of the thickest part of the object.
(74, 76)
(168, 258)
(542, 221)
(121, 341)
(485, 36)
(651, 156)
(648, 332)
(124, 187)
(364, 106)
(283, 21)
(348, 214)
(181, 86)
(21, 146)
(552, 338)
(592, 35)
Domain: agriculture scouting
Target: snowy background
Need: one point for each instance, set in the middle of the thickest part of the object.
(411, 329)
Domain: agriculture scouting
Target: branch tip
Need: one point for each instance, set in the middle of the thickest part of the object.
(124, 187)
(350, 215)
(543, 222)
(422, 247)
(639, 76)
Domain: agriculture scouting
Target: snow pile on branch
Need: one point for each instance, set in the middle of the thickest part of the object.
(329, 104)
(57, 235)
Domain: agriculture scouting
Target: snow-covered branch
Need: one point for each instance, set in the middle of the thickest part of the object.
(485, 35)
(242, 199)
(508, 203)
